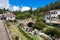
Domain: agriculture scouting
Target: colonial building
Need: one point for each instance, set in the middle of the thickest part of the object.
(53, 16)
(9, 15)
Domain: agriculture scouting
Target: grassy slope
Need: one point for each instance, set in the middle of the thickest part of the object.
(16, 31)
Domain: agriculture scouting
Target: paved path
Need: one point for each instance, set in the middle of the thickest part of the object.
(3, 32)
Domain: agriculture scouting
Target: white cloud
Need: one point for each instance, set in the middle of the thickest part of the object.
(25, 8)
(14, 8)
(4, 4)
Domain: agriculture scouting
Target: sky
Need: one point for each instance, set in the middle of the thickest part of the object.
(24, 5)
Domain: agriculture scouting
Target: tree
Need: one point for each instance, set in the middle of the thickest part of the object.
(21, 16)
(30, 11)
(17, 12)
(52, 31)
(1, 11)
(51, 6)
(27, 14)
(39, 25)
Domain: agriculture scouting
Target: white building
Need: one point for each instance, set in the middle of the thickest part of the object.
(9, 15)
(53, 16)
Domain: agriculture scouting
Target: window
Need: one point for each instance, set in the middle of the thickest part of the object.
(48, 13)
(52, 13)
(55, 12)
(54, 18)
(48, 18)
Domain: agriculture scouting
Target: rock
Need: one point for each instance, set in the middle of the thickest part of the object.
(46, 37)
(26, 28)
(35, 31)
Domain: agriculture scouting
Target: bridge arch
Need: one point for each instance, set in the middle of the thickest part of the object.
(30, 24)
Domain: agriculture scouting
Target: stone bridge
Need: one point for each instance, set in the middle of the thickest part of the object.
(25, 22)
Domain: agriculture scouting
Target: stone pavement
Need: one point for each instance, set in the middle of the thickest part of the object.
(3, 32)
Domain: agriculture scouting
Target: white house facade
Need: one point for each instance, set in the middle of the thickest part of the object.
(53, 16)
(9, 15)
(10, 18)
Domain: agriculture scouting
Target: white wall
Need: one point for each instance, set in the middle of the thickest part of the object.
(52, 15)
(9, 18)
